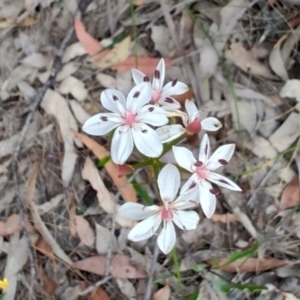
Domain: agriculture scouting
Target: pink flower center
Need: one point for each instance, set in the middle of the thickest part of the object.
(166, 214)
(155, 97)
(194, 127)
(130, 118)
(202, 172)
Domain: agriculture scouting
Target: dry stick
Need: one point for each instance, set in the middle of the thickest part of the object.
(38, 99)
(176, 41)
(152, 270)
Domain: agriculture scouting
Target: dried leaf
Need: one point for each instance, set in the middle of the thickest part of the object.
(48, 283)
(224, 218)
(75, 87)
(90, 44)
(163, 293)
(56, 105)
(276, 61)
(84, 231)
(12, 224)
(43, 247)
(90, 173)
(245, 60)
(289, 296)
(38, 223)
(24, 23)
(284, 137)
(72, 215)
(104, 235)
(36, 60)
(291, 89)
(291, 194)
(80, 114)
(117, 55)
(144, 64)
(73, 51)
(127, 288)
(120, 266)
(106, 81)
(97, 294)
(127, 191)
(47, 206)
(249, 265)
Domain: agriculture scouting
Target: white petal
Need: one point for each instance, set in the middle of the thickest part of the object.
(187, 220)
(121, 146)
(168, 182)
(137, 76)
(207, 201)
(190, 184)
(167, 237)
(152, 115)
(223, 181)
(145, 229)
(184, 157)
(147, 140)
(139, 96)
(137, 211)
(97, 126)
(174, 88)
(109, 99)
(170, 132)
(159, 76)
(221, 156)
(191, 109)
(211, 124)
(186, 200)
(168, 103)
(204, 149)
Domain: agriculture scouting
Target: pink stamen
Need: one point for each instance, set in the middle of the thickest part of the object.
(130, 118)
(202, 172)
(155, 96)
(166, 214)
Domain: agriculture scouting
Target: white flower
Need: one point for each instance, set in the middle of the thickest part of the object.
(203, 174)
(191, 121)
(161, 94)
(130, 118)
(171, 211)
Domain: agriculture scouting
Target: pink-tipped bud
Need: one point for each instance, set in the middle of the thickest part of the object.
(124, 170)
(194, 127)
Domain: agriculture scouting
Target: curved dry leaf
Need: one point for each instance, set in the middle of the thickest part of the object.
(249, 265)
(84, 231)
(75, 87)
(43, 247)
(245, 60)
(73, 51)
(12, 224)
(289, 296)
(90, 44)
(97, 294)
(291, 89)
(72, 215)
(291, 194)
(163, 293)
(127, 191)
(120, 266)
(276, 61)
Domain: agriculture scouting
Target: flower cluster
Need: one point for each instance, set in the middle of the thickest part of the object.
(142, 121)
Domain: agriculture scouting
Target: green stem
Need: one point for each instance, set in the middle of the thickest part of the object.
(177, 269)
(169, 146)
(142, 164)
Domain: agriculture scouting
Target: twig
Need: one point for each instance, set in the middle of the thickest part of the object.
(176, 41)
(38, 99)
(152, 270)
(94, 286)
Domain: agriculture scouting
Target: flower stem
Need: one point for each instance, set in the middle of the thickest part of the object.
(169, 146)
(177, 269)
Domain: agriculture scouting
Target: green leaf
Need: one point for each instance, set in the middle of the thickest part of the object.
(199, 267)
(162, 278)
(103, 161)
(221, 285)
(251, 288)
(241, 254)
(194, 295)
(142, 193)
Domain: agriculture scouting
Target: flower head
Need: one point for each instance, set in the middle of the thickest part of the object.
(203, 172)
(130, 119)
(191, 121)
(3, 283)
(170, 212)
(161, 94)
